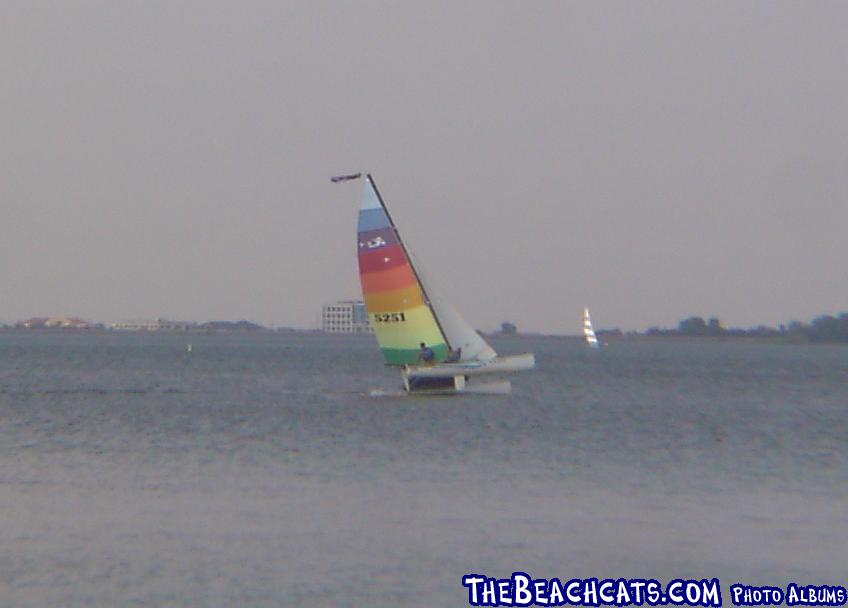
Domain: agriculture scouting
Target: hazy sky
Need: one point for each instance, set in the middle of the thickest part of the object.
(652, 159)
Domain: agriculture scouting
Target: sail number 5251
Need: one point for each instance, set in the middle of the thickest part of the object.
(389, 317)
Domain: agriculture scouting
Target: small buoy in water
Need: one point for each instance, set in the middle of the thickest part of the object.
(188, 348)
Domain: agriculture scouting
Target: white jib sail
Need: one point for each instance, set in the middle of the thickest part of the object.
(456, 329)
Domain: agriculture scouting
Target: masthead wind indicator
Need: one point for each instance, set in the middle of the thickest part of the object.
(344, 178)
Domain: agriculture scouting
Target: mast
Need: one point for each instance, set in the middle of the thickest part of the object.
(408, 258)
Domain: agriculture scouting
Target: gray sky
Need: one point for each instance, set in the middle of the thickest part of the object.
(651, 160)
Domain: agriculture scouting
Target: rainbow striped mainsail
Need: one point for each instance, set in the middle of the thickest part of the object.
(397, 303)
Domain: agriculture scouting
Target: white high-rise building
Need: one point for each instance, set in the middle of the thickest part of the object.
(345, 317)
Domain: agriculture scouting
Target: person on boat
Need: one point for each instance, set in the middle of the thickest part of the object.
(454, 355)
(426, 355)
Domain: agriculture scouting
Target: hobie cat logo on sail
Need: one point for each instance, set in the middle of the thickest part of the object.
(374, 243)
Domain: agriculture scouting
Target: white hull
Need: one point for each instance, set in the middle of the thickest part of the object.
(456, 385)
(499, 365)
(467, 377)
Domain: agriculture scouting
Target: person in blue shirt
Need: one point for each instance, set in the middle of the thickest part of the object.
(454, 355)
(426, 355)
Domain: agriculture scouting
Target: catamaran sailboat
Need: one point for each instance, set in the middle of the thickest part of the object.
(588, 332)
(406, 311)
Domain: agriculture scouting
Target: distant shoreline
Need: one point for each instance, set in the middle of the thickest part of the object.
(827, 329)
(611, 338)
(143, 332)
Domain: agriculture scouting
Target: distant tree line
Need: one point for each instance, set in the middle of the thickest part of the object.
(825, 328)
(508, 328)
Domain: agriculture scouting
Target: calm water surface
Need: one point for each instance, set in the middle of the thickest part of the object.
(258, 471)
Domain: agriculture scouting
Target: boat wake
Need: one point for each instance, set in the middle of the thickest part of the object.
(380, 392)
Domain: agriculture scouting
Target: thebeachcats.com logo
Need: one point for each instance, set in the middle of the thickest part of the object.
(521, 589)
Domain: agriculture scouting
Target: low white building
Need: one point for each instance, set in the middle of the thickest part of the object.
(154, 325)
(56, 322)
(345, 317)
